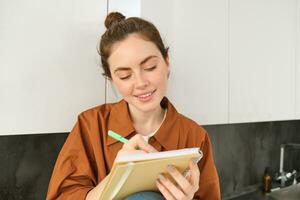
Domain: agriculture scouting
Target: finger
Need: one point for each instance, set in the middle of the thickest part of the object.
(182, 182)
(195, 173)
(164, 191)
(189, 178)
(128, 152)
(176, 192)
(187, 175)
(138, 141)
(142, 144)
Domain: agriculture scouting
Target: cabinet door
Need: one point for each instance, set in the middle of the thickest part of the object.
(49, 66)
(199, 80)
(262, 60)
(196, 34)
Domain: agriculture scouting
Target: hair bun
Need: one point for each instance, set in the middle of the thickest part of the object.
(112, 18)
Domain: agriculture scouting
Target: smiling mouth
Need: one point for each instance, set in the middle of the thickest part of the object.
(145, 96)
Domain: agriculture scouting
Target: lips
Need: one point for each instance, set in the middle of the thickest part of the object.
(145, 96)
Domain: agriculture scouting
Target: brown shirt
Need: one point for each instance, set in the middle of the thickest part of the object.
(88, 153)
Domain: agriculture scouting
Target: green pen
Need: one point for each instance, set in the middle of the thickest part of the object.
(117, 136)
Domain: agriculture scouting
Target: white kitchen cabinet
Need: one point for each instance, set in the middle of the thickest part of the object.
(231, 61)
(199, 86)
(49, 66)
(262, 60)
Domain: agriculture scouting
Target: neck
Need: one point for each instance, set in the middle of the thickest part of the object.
(146, 122)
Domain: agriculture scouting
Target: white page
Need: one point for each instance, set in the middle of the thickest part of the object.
(157, 155)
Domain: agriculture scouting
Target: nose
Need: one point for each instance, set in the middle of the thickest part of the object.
(141, 81)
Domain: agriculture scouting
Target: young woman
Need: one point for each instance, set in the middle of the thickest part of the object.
(136, 61)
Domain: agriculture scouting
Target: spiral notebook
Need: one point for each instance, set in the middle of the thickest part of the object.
(135, 173)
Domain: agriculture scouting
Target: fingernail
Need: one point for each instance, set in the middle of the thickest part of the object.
(171, 168)
(195, 161)
(186, 173)
(161, 177)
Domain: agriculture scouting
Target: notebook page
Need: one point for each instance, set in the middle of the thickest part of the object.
(157, 155)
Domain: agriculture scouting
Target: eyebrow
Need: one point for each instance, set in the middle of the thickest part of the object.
(146, 59)
(141, 63)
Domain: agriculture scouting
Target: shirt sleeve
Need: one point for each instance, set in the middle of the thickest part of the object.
(209, 187)
(72, 177)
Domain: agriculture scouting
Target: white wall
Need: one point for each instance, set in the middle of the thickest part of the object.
(49, 67)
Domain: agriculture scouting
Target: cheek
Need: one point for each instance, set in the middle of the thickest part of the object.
(160, 78)
(123, 88)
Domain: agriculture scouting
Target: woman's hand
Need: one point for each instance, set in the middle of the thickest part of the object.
(185, 187)
(96, 192)
(136, 145)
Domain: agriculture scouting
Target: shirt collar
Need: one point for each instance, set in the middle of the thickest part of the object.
(121, 123)
(166, 135)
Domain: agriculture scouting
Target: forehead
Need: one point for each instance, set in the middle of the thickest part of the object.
(131, 51)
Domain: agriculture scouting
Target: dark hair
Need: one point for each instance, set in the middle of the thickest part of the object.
(118, 28)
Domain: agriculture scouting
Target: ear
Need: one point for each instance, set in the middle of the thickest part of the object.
(167, 60)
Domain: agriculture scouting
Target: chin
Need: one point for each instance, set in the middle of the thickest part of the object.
(147, 109)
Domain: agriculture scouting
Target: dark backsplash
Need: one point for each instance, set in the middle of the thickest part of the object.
(241, 151)
(26, 164)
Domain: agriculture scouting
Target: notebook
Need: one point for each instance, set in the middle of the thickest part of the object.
(135, 173)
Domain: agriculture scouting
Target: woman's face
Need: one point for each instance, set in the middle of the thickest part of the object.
(139, 72)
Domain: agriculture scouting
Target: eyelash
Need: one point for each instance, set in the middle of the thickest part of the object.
(126, 77)
(148, 69)
(151, 68)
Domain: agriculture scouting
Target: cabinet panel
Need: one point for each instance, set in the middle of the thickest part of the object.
(49, 64)
(262, 60)
(200, 79)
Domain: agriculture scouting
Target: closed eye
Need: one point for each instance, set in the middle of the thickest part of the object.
(151, 68)
(124, 77)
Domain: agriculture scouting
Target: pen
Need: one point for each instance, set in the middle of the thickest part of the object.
(117, 136)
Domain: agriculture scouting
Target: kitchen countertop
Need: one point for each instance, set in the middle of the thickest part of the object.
(256, 195)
